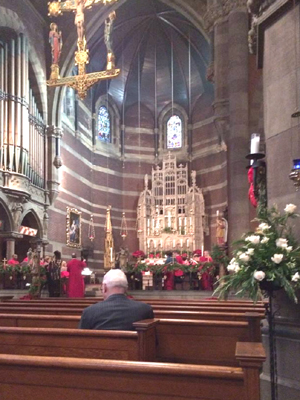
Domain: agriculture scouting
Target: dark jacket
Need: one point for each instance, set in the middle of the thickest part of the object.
(117, 312)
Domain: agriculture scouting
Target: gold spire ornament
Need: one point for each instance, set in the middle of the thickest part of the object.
(83, 81)
(109, 249)
(91, 229)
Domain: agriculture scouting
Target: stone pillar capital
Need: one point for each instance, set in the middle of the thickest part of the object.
(220, 9)
(54, 131)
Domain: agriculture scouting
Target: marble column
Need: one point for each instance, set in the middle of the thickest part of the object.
(238, 135)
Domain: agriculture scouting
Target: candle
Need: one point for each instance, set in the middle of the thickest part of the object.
(202, 249)
(187, 243)
(181, 243)
(190, 222)
(254, 145)
(148, 222)
(174, 243)
(185, 221)
(111, 254)
(148, 243)
(179, 222)
(155, 244)
(160, 242)
(217, 213)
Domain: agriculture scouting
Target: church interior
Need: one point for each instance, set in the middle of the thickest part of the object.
(130, 127)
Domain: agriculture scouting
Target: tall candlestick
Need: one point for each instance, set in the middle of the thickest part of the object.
(254, 146)
(111, 254)
(154, 244)
(202, 250)
(181, 243)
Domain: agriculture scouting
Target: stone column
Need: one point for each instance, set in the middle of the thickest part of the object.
(10, 248)
(238, 135)
(54, 136)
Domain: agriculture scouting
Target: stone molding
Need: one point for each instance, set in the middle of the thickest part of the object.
(220, 9)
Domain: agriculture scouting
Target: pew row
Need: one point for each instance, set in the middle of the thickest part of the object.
(82, 305)
(178, 341)
(116, 345)
(235, 315)
(47, 378)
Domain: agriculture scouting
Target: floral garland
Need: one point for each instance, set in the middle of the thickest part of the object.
(162, 268)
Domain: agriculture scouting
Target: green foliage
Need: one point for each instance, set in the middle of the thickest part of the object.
(270, 255)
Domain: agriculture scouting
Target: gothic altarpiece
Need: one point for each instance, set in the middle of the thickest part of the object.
(171, 215)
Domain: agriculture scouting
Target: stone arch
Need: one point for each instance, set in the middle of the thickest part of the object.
(6, 217)
(31, 219)
(10, 19)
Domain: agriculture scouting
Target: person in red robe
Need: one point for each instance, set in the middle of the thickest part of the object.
(76, 283)
(207, 279)
(14, 260)
(169, 275)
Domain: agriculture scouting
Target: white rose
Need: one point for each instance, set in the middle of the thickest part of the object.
(277, 258)
(265, 239)
(296, 277)
(281, 242)
(234, 267)
(263, 226)
(232, 261)
(259, 275)
(244, 257)
(289, 248)
(250, 252)
(290, 208)
(255, 239)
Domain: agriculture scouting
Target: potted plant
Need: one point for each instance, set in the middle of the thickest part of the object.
(265, 260)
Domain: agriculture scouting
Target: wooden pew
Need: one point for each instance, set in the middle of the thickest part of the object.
(184, 341)
(117, 345)
(48, 378)
(175, 307)
(203, 342)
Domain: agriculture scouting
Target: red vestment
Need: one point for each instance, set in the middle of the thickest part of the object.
(76, 283)
(206, 278)
(12, 262)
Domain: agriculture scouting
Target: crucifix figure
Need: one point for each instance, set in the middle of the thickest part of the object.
(83, 81)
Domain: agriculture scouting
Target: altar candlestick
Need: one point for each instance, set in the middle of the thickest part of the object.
(202, 250)
(181, 243)
(154, 244)
(111, 254)
(148, 222)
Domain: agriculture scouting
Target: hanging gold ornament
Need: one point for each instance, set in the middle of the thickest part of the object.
(123, 232)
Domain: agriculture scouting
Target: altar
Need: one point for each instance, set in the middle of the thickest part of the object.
(171, 213)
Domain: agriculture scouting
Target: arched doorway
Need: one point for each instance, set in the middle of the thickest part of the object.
(5, 229)
(30, 221)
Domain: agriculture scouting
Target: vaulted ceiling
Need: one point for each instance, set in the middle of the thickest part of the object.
(163, 57)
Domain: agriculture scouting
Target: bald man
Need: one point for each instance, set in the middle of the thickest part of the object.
(116, 312)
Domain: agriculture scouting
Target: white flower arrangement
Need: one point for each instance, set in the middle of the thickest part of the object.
(268, 257)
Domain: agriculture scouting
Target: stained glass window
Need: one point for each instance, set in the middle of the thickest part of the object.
(174, 132)
(104, 133)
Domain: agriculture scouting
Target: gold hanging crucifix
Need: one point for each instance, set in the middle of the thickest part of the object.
(83, 81)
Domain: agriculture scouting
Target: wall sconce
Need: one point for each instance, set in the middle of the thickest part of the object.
(295, 173)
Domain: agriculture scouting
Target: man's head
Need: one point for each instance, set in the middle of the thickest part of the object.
(15, 257)
(73, 255)
(114, 282)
